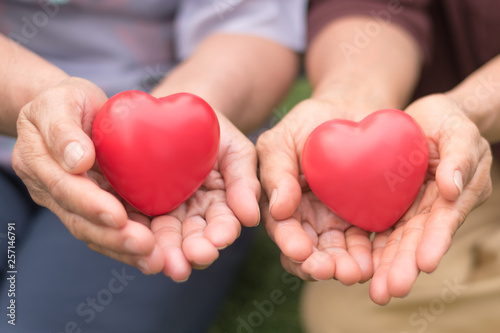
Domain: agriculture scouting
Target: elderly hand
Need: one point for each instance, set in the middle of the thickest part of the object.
(193, 234)
(54, 156)
(315, 243)
(458, 181)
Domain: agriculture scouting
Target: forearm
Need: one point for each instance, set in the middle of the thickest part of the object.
(382, 74)
(243, 77)
(24, 75)
(479, 97)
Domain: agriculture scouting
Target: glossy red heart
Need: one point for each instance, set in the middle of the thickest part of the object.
(368, 172)
(156, 152)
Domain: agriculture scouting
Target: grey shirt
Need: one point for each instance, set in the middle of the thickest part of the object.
(125, 44)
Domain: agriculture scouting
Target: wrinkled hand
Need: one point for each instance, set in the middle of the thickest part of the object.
(458, 181)
(193, 234)
(54, 156)
(315, 243)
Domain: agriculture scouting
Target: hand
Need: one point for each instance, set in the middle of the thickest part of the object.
(315, 243)
(54, 156)
(193, 234)
(458, 181)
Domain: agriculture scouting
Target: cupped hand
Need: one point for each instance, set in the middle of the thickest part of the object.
(458, 180)
(315, 243)
(55, 158)
(192, 235)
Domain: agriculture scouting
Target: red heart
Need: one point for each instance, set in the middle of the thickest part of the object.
(156, 152)
(368, 173)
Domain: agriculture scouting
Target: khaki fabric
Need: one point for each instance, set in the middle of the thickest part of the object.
(461, 296)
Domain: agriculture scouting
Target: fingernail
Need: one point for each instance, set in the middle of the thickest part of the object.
(132, 246)
(180, 281)
(295, 261)
(258, 214)
(108, 219)
(274, 196)
(315, 279)
(222, 247)
(73, 153)
(458, 179)
(143, 265)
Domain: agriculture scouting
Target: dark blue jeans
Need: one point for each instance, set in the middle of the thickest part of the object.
(62, 286)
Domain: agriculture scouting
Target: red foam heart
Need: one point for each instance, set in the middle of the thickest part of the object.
(156, 152)
(368, 172)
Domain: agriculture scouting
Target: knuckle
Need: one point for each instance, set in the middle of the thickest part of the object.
(56, 189)
(77, 228)
(58, 129)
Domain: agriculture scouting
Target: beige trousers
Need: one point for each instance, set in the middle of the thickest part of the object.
(461, 296)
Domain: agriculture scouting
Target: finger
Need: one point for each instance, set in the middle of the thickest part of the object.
(74, 193)
(288, 234)
(338, 263)
(168, 234)
(379, 292)
(403, 270)
(150, 264)
(359, 248)
(239, 169)
(133, 238)
(460, 149)
(378, 245)
(223, 228)
(279, 172)
(446, 217)
(197, 249)
(294, 268)
(319, 265)
(63, 115)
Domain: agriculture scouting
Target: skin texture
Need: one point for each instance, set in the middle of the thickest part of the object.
(317, 245)
(55, 157)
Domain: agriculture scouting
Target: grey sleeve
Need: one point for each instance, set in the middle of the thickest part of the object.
(281, 21)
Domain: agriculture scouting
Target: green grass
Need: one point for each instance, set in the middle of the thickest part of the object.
(265, 298)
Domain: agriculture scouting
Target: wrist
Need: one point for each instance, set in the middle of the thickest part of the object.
(43, 82)
(479, 112)
(354, 98)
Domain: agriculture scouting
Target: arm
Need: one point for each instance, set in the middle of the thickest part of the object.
(382, 75)
(54, 154)
(233, 75)
(51, 112)
(24, 76)
(347, 88)
(479, 97)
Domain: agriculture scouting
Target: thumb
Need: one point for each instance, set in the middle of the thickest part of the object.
(279, 172)
(460, 153)
(63, 116)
